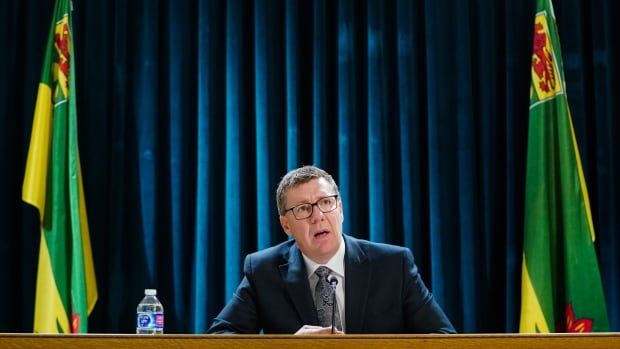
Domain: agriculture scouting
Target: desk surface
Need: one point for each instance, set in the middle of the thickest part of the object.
(462, 341)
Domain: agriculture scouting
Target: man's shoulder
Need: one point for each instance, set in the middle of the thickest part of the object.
(273, 254)
(381, 256)
(374, 249)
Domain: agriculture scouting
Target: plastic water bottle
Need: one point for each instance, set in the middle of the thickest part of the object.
(150, 314)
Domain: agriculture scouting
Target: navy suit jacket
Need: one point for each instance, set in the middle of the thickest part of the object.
(383, 293)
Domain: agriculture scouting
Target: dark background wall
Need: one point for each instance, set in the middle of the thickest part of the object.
(190, 112)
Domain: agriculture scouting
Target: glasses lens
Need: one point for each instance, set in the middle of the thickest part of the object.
(302, 211)
(327, 204)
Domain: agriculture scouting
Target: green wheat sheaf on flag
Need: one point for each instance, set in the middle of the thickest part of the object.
(66, 286)
(561, 284)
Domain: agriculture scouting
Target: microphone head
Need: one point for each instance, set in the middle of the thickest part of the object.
(333, 281)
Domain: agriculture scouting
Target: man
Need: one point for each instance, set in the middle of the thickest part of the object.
(286, 288)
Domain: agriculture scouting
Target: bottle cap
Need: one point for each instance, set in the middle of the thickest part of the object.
(150, 292)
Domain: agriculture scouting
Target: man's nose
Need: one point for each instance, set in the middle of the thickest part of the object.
(316, 215)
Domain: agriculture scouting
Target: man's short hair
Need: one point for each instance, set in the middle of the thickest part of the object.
(300, 176)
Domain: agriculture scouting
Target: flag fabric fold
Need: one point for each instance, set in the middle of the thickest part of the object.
(66, 287)
(561, 284)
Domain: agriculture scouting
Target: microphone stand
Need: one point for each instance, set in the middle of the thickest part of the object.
(333, 282)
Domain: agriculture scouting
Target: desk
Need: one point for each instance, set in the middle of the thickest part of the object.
(169, 341)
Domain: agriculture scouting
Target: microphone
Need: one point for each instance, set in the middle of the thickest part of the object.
(333, 282)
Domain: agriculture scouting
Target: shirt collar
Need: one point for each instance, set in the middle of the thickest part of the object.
(336, 263)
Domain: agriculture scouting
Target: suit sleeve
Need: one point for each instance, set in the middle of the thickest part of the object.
(422, 313)
(240, 314)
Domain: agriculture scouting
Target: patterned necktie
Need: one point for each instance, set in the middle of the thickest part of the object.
(323, 300)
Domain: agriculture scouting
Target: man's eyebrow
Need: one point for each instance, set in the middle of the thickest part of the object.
(307, 201)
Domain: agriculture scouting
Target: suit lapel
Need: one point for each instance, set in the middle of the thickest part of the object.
(295, 278)
(357, 276)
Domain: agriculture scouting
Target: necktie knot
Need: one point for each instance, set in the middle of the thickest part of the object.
(322, 272)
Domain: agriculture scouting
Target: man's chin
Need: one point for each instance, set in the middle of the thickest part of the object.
(324, 253)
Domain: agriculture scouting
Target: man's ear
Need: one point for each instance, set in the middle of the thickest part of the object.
(285, 225)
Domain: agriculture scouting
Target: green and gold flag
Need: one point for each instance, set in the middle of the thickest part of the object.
(561, 287)
(66, 287)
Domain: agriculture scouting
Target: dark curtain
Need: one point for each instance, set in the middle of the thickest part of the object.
(190, 112)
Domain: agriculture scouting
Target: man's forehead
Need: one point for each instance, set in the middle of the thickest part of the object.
(315, 186)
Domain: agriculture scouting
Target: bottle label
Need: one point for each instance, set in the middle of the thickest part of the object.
(151, 320)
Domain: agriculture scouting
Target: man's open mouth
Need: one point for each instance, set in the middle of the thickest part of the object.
(321, 233)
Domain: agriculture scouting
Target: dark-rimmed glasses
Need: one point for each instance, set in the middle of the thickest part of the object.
(325, 204)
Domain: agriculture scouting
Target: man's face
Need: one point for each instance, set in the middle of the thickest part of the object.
(319, 235)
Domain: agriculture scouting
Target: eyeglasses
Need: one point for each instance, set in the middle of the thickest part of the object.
(325, 204)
